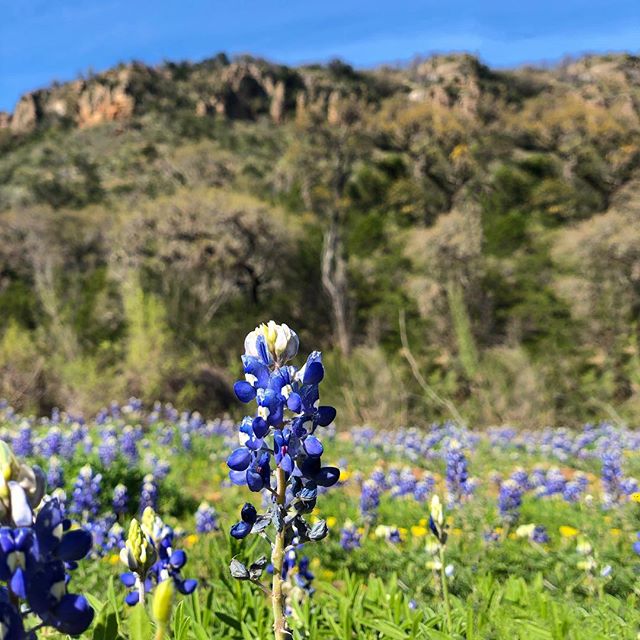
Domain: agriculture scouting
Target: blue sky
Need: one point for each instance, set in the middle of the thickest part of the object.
(46, 40)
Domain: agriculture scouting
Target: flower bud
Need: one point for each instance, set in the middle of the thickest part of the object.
(437, 512)
(584, 547)
(525, 530)
(138, 553)
(162, 602)
(286, 344)
(280, 343)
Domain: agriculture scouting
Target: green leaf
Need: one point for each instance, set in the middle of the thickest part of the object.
(227, 619)
(106, 625)
(140, 627)
(389, 630)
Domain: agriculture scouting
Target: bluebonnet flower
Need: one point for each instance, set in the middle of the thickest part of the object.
(510, 501)
(206, 518)
(283, 434)
(150, 557)
(540, 535)
(629, 486)
(611, 475)
(161, 469)
(129, 444)
(51, 444)
(521, 477)
(572, 491)
(248, 517)
(120, 500)
(554, 483)
(350, 536)
(22, 444)
(636, 545)
(369, 501)
(296, 570)
(437, 525)
(149, 493)
(390, 534)
(85, 499)
(456, 474)
(36, 555)
(423, 488)
(108, 451)
(55, 474)
(378, 476)
(405, 483)
(295, 450)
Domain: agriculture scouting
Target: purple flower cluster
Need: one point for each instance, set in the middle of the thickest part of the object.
(350, 537)
(206, 519)
(510, 501)
(456, 474)
(85, 500)
(369, 501)
(280, 440)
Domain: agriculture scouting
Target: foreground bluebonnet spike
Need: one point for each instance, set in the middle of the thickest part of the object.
(151, 559)
(37, 554)
(280, 451)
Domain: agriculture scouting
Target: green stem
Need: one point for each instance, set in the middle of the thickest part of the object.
(140, 591)
(280, 630)
(445, 591)
(160, 632)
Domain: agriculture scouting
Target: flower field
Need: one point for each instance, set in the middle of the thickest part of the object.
(436, 531)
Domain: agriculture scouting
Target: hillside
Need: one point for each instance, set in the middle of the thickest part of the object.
(461, 241)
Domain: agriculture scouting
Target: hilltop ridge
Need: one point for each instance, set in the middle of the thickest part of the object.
(246, 88)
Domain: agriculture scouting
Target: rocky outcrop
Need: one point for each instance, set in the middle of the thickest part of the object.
(25, 116)
(249, 88)
(451, 82)
(5, 120)
(105, 101)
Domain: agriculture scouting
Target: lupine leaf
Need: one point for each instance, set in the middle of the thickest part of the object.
(139, 624)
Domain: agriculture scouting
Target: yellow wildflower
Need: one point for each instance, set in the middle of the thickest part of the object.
(568, 532)
(190, 540)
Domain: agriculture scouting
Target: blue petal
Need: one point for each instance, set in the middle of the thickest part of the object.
(286, 464)
(255, 481)
(240, 459)
(263, 352)
(178, 558)
(260, 427)
(326, 415)
(248, 513)
(254, 367)
(313, 373)
(18, 583)
(74, 614)
(75, 545)
(244, 391)
(127, 579)
(294, 402)
(313, 446)
(241, 530)
(132, 598)
(238, 477)
(187, 586)
(327, 476)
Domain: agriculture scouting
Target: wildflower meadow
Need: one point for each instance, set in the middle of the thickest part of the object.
(153, 522)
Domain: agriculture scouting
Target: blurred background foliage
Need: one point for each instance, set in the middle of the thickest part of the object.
(461, 243)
